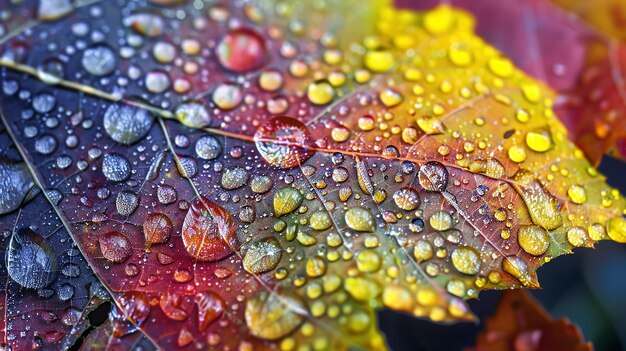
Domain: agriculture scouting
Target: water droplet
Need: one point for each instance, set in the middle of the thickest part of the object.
(234, 178)
(157, 81)
(315, 267)
(166, 194)
(466, 260)
(286, 200)
(261, 184)
(516, 267)
(320, 220)
(577, 236)
(539, 140)
(99, 60)
(30, 260)
(15, 184)
(433, 176)
(210, 307)
(171, 306)
(157, 228)
(208, 232)
(379, 61)
(46, 144)
(135, 306)
(241, 50)
(283, 142)
(542, 207)
(441, 220)
(116, 167)
(208, 147)
(50, 10)
(533, 239)
(517, 153)
(126, 202)
(360, 219)
(115, 247)
(262, 256)
(320, 93)
(127, 124)
(423, 251)
(577, 194)
(44, 102)
(193, 115)
(368, 261)
(273, 315)
(616, 229)
(147, 24)
(227, 96)
(407, 199)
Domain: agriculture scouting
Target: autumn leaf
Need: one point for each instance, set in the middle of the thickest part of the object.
(576, 47)
(520, 323)
(267, 175)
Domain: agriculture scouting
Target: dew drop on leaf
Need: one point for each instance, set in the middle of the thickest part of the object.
(115, 247)
(99, 60)
(283, 142)
(286, 200)
(262, 256)
(234, 178)
(127, 124)
(15, 183)
(466, 260)
(241, 50)
(211, 306)
(533, 239)
(157, 228)
(135, 306)
(271, 317)
(208, 232)
(30, 260)
(193, 115)
(360, 219)
(433, 176)
(116, 167)
(406, 199)
(208, 147)
(126, 202)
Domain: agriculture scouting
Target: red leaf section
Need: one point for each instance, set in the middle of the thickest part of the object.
(521, 324)
(584, 64)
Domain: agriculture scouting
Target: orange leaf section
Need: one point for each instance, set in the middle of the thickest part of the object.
(522, 324)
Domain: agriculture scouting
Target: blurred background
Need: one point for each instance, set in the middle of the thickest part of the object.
(588, 288)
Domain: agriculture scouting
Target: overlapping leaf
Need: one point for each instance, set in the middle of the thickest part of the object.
(266, 175)
(521, 323)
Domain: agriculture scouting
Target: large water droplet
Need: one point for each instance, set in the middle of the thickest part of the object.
(116, 167)
(210, 308)
(30, 260)
(283, 142)
(262, 256)
(286, 200)
(208, 147)
(15, 183)
(193, 115)
(99, 60)
(157, 228)
(241, 50)
(272, 316)
(433, 176)
(115, 247)
(533, 239)
(208, 232)
(127, 124)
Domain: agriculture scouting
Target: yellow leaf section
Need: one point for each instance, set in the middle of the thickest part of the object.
(451, 98)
